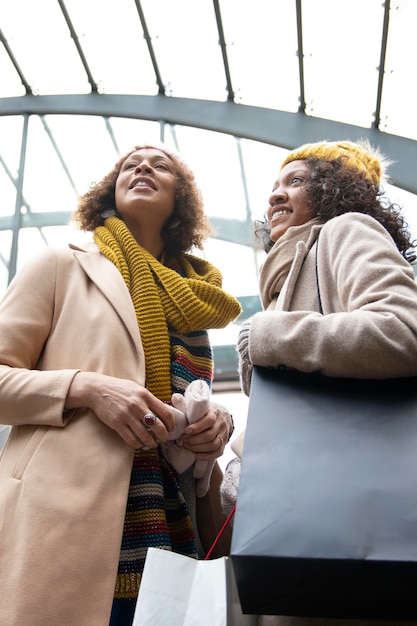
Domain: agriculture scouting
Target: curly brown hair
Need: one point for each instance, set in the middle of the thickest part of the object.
(334, 188)
(188, 225)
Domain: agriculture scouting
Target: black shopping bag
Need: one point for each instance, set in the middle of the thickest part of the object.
(326, 518)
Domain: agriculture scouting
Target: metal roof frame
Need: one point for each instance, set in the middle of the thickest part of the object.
(287, 130)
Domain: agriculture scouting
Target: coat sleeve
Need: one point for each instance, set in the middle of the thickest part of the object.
(27, 394)
(369, 297)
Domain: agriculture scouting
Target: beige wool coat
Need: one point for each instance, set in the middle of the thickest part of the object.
(369, 330)
(64, 476)
(369, 300)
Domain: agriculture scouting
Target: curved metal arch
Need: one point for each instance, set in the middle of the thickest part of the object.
(287, 130)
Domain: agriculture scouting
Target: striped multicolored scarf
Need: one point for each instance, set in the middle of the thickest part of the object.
(174, 306)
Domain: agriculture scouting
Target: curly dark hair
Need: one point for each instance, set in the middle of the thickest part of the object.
(334, 188)
(188, 225)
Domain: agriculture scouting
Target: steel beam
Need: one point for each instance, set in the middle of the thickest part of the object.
(279, 128)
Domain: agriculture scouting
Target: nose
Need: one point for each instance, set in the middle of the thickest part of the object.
(278, 195)
(144, 166)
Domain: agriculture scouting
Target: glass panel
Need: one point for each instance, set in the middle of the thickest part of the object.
(262, 52)
(46, 186)
(116, 52)
(236, 263)
(130, 133)
(261, 162)
(11, 128)
(342, 45)
(408, 202)
(185, 39)
(31, 241)
(214, 159)
(237, 266)
(10, 83)
(88, 160)
(63, 235)
(40, 39)
(398, 110)
(8, 195)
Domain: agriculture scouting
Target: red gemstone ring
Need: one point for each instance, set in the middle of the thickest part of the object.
(149, 419)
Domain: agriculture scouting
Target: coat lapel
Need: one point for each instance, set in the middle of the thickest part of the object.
(108, 279)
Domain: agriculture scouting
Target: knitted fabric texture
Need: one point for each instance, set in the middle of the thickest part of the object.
(275, 269)
(359, 154)
(173, 312)
(163, 299)
(156, 515)
(245, 366)
(229, 486)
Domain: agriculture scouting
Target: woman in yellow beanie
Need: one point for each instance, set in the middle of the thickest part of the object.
(328, 198)
(327, 219)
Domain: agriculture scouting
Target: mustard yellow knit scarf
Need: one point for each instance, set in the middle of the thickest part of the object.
(164, 300)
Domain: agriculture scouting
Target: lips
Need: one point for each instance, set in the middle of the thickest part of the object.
(278, 213)
(142, 181)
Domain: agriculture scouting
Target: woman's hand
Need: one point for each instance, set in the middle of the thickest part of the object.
(121, 404)
(208, 436)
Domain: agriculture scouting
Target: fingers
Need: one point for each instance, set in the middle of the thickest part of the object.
(146, 431)
(122, 404)
(208, 437)
(139, 435)
(206, 442)
(222, 443)
(208, 450)
(206, 445)
(134, 441)
(164, 414)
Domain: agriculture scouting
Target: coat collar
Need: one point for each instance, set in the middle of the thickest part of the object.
(108, 279)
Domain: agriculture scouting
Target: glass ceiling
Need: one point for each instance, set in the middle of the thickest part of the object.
(232, 84)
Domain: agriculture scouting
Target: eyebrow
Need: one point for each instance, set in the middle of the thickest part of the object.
(291, 174)
(156, 157)
(300, 171)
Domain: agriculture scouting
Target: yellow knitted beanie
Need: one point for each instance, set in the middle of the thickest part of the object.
(358, 154)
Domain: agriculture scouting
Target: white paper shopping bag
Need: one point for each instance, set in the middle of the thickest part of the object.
(181, 591)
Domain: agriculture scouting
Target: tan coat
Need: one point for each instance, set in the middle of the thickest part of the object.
(369, 297)
(64, 477)
(369, 301)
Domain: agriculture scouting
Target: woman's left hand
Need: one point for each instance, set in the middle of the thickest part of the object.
(208, 436)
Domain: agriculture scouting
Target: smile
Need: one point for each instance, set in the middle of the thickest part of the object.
(276, 214)
(143, 182)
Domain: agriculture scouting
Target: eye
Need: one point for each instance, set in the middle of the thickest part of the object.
(129, 166)
(297, 179)
(163, 166)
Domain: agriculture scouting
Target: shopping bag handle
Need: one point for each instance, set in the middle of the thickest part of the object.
(219, 534)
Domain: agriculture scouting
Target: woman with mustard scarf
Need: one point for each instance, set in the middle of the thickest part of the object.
(102, 337)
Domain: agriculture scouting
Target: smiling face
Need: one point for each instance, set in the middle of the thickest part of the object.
(288, 204)
(145, 190)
